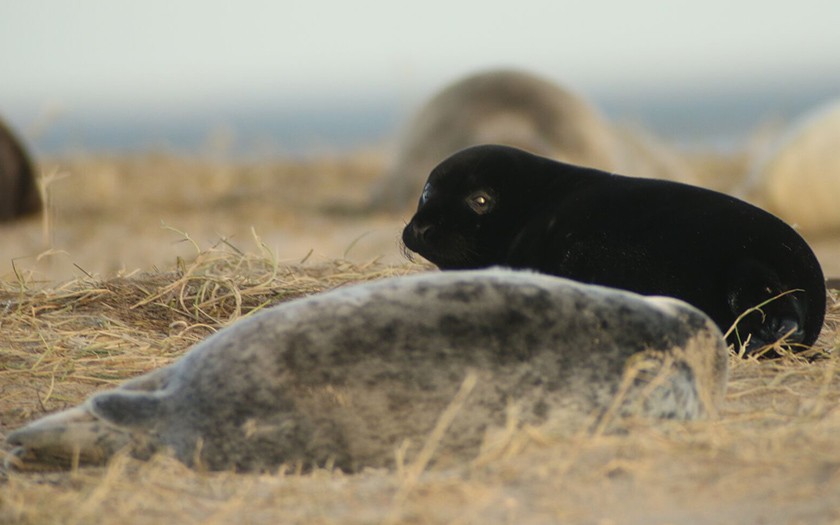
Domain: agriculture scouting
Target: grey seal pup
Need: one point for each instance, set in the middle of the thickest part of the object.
(345, 377)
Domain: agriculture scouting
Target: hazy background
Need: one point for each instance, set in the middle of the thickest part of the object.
(270, 78)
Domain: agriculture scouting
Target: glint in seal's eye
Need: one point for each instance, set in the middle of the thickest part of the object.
(427, 190)
(481, 202)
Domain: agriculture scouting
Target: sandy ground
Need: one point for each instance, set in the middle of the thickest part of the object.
(115, 215)
(110, 216)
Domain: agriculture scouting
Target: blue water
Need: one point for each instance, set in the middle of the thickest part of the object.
(721, 119)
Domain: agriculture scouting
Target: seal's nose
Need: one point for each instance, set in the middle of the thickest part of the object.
(420, 231)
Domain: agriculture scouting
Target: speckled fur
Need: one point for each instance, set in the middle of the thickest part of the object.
(348, 375)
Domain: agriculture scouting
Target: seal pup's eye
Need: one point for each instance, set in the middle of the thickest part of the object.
(481, 202)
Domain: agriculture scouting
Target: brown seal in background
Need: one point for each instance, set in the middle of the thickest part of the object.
(523, 110)
(19, 196)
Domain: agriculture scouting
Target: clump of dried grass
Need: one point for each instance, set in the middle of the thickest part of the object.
(61, 342)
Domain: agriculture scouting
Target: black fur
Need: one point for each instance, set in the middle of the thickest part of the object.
(496, 205)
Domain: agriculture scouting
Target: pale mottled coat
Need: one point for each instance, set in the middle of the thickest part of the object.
(348, 375)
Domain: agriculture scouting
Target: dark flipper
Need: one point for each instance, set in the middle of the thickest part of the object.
(776, 311)
(125, 408)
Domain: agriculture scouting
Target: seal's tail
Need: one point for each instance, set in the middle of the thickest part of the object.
(95, 430)
(89, 433)
(65, 438)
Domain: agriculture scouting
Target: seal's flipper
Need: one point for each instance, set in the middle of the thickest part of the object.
(776, 310)
(126, 408)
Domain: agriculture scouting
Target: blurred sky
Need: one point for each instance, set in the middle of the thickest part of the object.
(208, 60)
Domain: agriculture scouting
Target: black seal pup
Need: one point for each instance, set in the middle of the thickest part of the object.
(19, 195)
(347, 376)
(495, 205)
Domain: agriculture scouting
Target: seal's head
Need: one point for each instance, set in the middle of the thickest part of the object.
(473, 206)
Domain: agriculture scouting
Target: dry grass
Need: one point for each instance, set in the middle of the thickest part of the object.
(771, 457)
(117, 215)
(59, 343)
